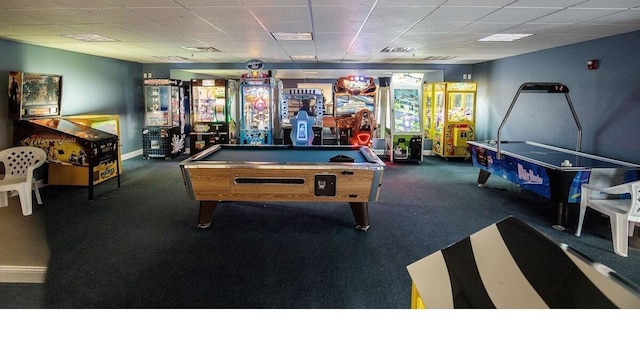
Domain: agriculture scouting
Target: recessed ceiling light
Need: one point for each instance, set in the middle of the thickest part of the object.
(439, 57)
(89, 38)
(396, 50)
(292, 36)
(303, 57)
(201, 49)
(171, 58)
(504, 37)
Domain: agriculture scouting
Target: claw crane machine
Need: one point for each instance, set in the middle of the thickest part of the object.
(213, 102)
(407, 128)
(454, 117)
(163, 135)
(427, 116)
(259, 105)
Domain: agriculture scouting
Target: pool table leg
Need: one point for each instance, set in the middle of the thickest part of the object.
(361, 214)
(483, 176)
(205, 215)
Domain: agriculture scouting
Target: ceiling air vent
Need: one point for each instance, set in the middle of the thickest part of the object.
(395, 50)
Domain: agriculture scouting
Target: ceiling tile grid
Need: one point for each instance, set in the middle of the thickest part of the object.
(154, 31)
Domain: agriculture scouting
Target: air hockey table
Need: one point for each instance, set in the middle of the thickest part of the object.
(284, 173)
(552, 172)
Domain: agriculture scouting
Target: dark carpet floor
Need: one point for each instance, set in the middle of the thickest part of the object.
(137, 246)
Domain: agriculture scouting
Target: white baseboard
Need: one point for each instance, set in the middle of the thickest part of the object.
(24, 274)
(132, 154)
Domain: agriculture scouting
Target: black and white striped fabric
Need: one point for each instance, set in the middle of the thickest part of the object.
(511, 265)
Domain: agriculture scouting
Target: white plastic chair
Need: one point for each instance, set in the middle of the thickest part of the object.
(19, 164)
(623, 212)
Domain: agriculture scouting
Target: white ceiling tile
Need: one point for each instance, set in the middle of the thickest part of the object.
(575, 15)
(289, 13)
(77, 4)
(432, 26)
(408, 14)
(492, 3)
(546, 3)
(145, 3)
(288, 26)
(485, 28)
(349, 32)
(608, 4)
(459, 14)
(356, 13)
(318, 3)
(624, 17)
(517, 15)
(384, 30)
(24, 4)
(336, 27)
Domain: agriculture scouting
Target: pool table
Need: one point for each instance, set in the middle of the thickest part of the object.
(284, 173)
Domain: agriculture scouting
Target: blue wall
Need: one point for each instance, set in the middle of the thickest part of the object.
(90, 84)
(606, 100)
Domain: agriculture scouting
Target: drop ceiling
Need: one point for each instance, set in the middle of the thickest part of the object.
(352, 32)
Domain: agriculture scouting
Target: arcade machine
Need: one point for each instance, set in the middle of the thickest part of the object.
(163, 135)
(258, 104)
(406, 135)
(77, 155)
(212, 106)
(293, 100)
(381, 146)
(353, 94)
(106, 123)
(427, 116)
(454, 116)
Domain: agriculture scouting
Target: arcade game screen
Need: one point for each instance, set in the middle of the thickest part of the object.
(295, 105)
(348, 105)
(406, 108)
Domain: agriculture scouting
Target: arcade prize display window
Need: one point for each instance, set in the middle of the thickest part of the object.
(213, 113)
(163, 135)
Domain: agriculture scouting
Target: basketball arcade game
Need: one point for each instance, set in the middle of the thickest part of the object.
(213, 113)
(163, 135)
(406, 136)
(354, 110)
